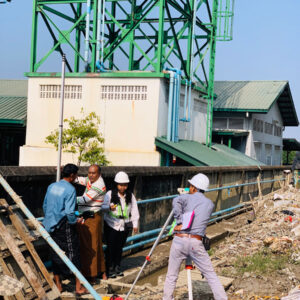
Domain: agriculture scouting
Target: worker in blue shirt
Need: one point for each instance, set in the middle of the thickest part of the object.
(60, 220)
(188, 242)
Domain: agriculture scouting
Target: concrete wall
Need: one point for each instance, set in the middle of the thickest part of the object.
(262, 146)
(267, 143)
(128, 126)
(148, 182)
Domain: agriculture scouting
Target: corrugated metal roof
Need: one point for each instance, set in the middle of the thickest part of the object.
(256, 96)
(10, 87)
(247, 95)
(198, 154)
(13, 109)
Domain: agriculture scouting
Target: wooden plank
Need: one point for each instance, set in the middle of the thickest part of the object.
(26, 238)
(18, 295)
(259, 186)
(18, 256)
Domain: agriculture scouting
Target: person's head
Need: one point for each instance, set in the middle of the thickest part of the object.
(122, 180)
(69, 172)
(94, 173)
(198, 183)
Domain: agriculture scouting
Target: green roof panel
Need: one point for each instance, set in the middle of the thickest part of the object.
(256, 96)
(13, 109)
(198, 154)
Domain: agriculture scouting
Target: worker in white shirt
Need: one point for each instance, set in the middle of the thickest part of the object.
(90, 232)
(121, 216)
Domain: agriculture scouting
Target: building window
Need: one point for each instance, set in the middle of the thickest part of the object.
(235, 123)
(220, 123)
(52, 91)
(124, 92)
(258, 125)
(268, 128)
(277, 130)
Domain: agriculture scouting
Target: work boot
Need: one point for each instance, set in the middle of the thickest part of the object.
(119, 271)
(112, 273)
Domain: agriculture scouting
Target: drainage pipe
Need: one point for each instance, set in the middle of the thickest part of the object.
(148, 257)
(87, 31)
(177, 107)
(48, 238)
(170, 115)
(174, 105)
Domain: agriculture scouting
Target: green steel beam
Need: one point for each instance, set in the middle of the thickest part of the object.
(145, 35)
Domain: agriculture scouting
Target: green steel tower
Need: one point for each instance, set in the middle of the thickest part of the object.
(134, 36)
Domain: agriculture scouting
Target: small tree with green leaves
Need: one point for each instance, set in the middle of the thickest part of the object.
(82, 137)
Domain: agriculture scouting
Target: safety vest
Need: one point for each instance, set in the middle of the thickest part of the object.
(120, 213)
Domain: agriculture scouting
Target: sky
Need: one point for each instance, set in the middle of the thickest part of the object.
(265, 45)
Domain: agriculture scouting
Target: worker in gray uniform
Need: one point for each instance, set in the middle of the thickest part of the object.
(188, 242)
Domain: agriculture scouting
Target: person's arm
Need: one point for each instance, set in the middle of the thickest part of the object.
(178, 212)
(81, 180)
(178, 209)
(70, 203)
(96, 191)
(135, 215)
(106, 203)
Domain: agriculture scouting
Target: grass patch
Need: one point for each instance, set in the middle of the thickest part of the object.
(211, 251)
(261, 262)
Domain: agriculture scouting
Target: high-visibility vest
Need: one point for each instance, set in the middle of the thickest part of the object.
(117, 213)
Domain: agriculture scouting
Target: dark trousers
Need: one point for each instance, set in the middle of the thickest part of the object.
(115, 241)
(66, 238)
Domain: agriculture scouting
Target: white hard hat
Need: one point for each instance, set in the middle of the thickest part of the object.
(121, 177)
(200, 182)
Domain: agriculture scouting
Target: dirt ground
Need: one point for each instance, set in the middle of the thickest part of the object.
(263, 256)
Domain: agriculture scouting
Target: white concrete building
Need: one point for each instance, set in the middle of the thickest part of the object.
(133, 112)
(250, 116)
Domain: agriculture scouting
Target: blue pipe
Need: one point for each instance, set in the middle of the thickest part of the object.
(177, 107)
(48, 238)
(151, 232)
(170, 115)
(186, 116)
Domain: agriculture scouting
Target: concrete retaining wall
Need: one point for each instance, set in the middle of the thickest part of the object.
(149, 182)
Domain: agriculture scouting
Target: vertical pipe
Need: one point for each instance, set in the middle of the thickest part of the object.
(150, 253)
(61, 116)
(170, 107)
(174, 107)
(185, 101)
(190, 101)
(48, 238)
(87, 31)
(177, 107)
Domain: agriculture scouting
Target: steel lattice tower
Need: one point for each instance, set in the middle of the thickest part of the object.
(134, 36)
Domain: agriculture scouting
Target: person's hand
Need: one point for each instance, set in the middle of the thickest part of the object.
(113, 206)
(135, 230)
(178, 227)
(80, 220)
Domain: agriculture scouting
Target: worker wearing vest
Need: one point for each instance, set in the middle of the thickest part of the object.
(121, 216)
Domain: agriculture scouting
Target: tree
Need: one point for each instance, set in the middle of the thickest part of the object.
(288, 157)
(81, 136)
